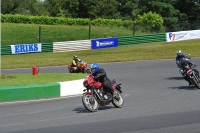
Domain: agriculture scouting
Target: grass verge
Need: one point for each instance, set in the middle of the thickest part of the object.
(41, 78)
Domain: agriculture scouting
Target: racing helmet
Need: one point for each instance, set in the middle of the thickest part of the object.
(75, 57)
(178, 52)
(94, 68)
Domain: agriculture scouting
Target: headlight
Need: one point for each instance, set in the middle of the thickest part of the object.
(85, 83)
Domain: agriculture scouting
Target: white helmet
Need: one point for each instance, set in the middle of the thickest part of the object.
(178, 52)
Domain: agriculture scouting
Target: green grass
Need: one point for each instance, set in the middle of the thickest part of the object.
(165, 50)
(41, 78)
(12, 33)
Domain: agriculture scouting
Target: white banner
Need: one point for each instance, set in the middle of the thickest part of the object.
(182, 35)
(26, 48)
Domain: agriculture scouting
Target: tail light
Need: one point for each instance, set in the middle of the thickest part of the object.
(189, 72)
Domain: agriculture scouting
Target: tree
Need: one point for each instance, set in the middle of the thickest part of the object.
(62, 8)
(99, 8)
(30, 7)
(150, 21)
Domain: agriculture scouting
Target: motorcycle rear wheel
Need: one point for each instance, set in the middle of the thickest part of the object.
(83, 71)
(90, 102)
(118, 101)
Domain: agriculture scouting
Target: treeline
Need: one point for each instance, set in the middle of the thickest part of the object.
(175, 13)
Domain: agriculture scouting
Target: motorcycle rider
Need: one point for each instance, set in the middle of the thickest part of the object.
(100, 75)
(75, 62)
(178, 57)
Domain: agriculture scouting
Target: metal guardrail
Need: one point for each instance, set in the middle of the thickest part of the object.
(86, 44)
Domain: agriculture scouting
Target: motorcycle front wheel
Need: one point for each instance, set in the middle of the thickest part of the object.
(118, 101)
(90, 102)
(194, 80)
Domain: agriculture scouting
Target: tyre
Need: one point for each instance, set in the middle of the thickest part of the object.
(118, 101)
(83, 71)
(90, 102)
(194, 80)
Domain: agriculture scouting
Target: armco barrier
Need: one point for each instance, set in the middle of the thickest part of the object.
(71, 45)
(47, 47)
(6, 50)
(86, 44)
(29, 92)
(138, 39)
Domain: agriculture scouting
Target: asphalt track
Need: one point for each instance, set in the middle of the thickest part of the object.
(157, 100)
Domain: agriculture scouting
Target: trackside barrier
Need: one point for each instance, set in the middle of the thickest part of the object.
(5, 50)
(26, 48)
(104, 43)
(182, 35)
(29, 92)
(47, 47)
(139, 39)
(71, 87)
(71, 46)
(42, 91)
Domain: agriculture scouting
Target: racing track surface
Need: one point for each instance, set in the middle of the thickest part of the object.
(157, 100)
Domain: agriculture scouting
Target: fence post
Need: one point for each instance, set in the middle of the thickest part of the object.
(89, 29)
(39, 35)
(133, 28)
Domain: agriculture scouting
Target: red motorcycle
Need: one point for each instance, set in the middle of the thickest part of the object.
(94, 95)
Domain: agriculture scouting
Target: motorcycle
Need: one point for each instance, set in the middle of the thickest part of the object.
(182, 71)
(190, 73)
(82, 68)
(193, 76)
(94, 95)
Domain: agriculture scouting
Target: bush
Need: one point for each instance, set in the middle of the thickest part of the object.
(46, 20)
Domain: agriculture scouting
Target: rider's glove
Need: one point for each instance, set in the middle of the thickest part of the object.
(96, 77)
(194, 65)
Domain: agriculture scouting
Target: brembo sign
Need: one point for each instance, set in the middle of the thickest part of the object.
(182, 35)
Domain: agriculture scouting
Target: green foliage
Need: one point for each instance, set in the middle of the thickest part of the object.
(150, 21)
(172, 11)
(18, 18)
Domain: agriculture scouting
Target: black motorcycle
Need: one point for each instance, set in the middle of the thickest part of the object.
(189, 72)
